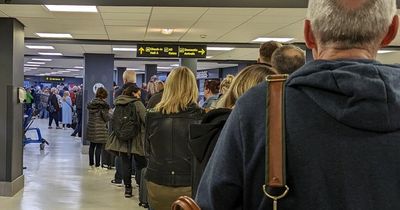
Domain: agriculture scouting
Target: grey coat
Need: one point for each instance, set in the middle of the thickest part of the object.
(136, 146)
(99, 116)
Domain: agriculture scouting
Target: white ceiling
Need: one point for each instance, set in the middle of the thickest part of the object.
(215, 25)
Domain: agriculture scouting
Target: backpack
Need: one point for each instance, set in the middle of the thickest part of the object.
(125, 122)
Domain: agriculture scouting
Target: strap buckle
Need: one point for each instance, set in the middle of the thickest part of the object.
(275, 198)
(277, 78)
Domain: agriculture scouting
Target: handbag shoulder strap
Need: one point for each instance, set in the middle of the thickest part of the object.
(275, 177)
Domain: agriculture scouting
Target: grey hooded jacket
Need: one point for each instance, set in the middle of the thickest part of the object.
(343, 142)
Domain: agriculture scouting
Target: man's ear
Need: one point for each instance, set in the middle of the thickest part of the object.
(392, 32)
(309, 36)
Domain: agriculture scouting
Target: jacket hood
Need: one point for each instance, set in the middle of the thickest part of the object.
(98, 104)
(201, 135)
(123, 99)
(362, 94)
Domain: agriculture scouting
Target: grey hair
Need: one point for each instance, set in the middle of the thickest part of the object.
(334, 23)
(288, 59)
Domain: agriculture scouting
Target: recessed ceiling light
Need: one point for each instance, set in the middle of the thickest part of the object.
(40, 63)
(71, 8)
(175, 65)
(43, 53)
(268, 39)
(164, 67)
(167, 31)
(40, 47)
(54, 35)
(64, 71)
(78, 67)
(132, 69)
(123, 49)
(41, 59)
(31, 65)
(29, 68)
(384, 51)
(220, 48)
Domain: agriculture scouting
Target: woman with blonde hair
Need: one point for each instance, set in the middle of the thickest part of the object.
(205, 135)
(67, 110)
(167, 134)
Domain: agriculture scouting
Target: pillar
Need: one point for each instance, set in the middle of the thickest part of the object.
(191, 63)
(99, 70)
(120, 72)
(11, 112)
(150, 70)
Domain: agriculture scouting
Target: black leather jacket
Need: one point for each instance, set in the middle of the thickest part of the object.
(167, 148)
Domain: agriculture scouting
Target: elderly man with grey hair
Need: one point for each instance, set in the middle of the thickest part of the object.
(288, 59)
(342, 117)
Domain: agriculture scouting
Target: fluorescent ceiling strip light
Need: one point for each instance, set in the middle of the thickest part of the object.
(40, 63)
(41, 59)
(64, 71)
(123, 49)
(44, 53)
(26, 68)
(164, 67)
(175, 65)
(220, 48)
(31, 65)
(133, 69)
(268, 39)
(75, 70)
(208, 57)
(40, 47)
(384, 51)
(78, 67)
(71, 8)
(54, 35)
(42, 74)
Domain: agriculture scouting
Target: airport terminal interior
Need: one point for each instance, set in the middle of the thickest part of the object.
(78, 47)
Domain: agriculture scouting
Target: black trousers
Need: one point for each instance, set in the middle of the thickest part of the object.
(95, 153)
(78, 129)
(53, 116)
(140, 163)
(126, 169)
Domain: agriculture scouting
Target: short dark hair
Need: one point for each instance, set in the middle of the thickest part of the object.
(101, 93)
(267, 49)
(131, 90)
(212, 85)
(288, 59)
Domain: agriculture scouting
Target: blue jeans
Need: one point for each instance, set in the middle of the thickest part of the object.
(44, 114)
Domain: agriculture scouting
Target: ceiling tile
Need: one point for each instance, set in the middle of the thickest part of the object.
(126, 33)
(284, 12)
(125, 16)
(234, 11)
(91, 36)
(133, 10)
(36, 11)
(136, 23)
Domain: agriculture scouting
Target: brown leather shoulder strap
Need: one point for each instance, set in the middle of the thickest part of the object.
(275, 140)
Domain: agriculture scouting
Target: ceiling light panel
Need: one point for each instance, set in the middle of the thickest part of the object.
(122, 49)
(39, 63)
(71, 8)
(167, 31)
(268, 39)
(31, 65)
(220, 48)
(54, 35)
(44, 53)
(74, 70)
(41, 59)
(35, 47)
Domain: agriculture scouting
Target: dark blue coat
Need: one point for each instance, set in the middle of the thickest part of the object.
(343, 142)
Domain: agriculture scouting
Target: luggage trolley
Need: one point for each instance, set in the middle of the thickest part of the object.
(29, 119)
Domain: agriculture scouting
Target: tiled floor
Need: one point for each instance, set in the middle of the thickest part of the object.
(58, 179)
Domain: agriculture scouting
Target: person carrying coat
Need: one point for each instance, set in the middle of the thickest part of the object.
(97, 131)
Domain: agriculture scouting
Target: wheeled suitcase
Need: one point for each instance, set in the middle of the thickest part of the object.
(107, 159)
(143, 190)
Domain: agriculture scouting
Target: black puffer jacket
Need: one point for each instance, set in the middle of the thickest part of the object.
(97, 131)
(167, 138)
